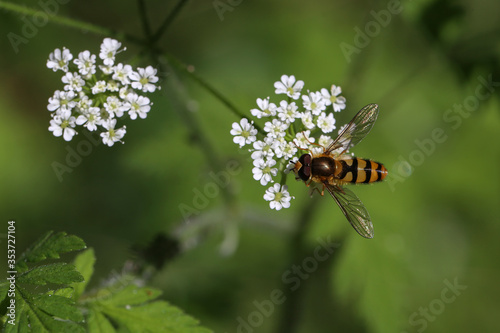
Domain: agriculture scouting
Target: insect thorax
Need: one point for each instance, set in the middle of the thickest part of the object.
(323, 166)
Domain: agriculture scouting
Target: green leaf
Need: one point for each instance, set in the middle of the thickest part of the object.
(121, 306)
(47, 323)
(58, 306)
(44, 314)
(65, 292)
(84, 263)
(154, 317)
(132, 308)
(61, 273)
(131, 295)
(50, 311)
(49, 246)
(98, 323)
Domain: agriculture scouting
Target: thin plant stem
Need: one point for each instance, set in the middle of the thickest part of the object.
(198, 136)
(291, 307)
(144, 19)
(69, 22)
(168, 20)
(299, 250)
(186, 69)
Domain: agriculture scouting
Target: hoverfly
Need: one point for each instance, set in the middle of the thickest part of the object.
(333, 169)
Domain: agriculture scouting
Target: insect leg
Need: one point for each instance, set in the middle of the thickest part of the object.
(322, 192)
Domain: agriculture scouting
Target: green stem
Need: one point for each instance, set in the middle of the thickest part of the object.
(291, 309)
(179, 65)
(283, 174)
(197, 135)
(144, 18)
(69, 22)
(170, 18)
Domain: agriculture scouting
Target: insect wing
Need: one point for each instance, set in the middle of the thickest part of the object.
(353, 209)
(356, 130)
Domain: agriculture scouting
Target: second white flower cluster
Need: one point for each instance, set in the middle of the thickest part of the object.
(293, 122)
(96, 101)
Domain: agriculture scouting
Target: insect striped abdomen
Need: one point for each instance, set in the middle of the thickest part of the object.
(359, 170)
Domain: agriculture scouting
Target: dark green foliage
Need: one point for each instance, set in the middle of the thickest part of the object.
(120, 306)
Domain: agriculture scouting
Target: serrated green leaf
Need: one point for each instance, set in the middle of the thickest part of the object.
(44, 313)
(49, 246)
(131, 295)
(116, 308)
(53, 311)
(58, 306)
(61, 273)
(23, 322)
(84, 263)
(154, 317)
(47, 323)
(98, 323)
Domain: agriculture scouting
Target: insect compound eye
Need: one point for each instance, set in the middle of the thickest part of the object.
(307, 159)
(304, 172)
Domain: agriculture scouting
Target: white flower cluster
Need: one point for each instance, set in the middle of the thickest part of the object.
(292, 124)
(96, 96)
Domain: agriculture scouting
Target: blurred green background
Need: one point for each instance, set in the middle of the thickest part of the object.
(436, 217)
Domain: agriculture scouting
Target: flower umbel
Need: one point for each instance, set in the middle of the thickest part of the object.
(96, 96)
(291, 126)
